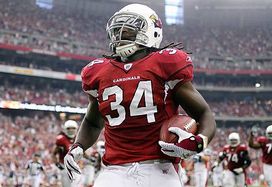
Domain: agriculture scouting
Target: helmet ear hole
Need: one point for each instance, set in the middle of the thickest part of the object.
(155, 34)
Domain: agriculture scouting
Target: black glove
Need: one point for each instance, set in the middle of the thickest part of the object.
(59, 165)
(222, 156)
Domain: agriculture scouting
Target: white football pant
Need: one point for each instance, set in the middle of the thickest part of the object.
(267, 169)
(232, 180)
(139, 175)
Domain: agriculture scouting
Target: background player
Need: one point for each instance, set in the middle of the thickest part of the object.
(237, 160)
(217, 172)
(133, 103)
(264, 143)
(34, 168)
(92, 164)
(200, 167)
(63, 142)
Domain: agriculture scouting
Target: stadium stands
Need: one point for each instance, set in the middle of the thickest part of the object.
(41, 40)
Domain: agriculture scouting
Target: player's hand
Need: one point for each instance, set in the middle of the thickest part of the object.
(59, 165)
(238, 171)
(187, 145)
(70, 161)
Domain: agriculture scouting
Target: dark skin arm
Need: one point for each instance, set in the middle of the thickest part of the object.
(56, 151)
(197, 108)
(252, 143)
(91, 125)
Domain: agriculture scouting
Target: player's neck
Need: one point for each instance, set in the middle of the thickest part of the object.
(137, 55)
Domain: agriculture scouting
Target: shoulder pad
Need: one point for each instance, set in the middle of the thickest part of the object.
(89, 75)
(242, 147)
(95, 64)
(226, 147)
(175, 65)
(262, 139)
(170, 54)
(60, 136)
(60, 139)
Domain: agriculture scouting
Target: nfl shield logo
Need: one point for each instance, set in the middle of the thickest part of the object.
(127, 66)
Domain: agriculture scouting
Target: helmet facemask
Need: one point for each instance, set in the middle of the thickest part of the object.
(71, 132)
(126, 33)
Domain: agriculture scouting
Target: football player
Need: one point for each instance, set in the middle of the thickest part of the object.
(264, 143)
(64, 140)
(200, 165)
(217, 171)
(34, 168)
(132, 92)
(237, 160)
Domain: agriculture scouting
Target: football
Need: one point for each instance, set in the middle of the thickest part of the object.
(182, 121)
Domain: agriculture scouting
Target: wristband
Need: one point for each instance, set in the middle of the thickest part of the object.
(205, 140)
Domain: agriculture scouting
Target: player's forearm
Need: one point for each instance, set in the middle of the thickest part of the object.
(207, 124)
(54, 155)
(250, 141)
(88, 134)
(91, 126)
(195, 105)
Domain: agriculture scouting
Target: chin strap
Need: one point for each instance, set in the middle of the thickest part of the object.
(126, 50)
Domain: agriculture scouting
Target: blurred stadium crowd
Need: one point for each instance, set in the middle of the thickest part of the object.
(21, 136)
(22, 24)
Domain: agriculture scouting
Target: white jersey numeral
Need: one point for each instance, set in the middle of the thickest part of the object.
(269, 148)
(233, 157)
(144, 90)
(118, 92)
(169, 50)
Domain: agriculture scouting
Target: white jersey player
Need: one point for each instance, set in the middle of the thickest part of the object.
(34, 168)
(201, 161)
(217, 173)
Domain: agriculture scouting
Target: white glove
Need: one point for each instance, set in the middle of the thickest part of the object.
(238, 171)
(188, 144)
(70, 162)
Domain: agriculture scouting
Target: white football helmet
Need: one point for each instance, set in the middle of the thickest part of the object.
(143, 25)
(234, 139)
(70, 128)
(268, 132)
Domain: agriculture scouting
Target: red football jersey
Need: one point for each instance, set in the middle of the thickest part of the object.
(266, 148)
(134, 99)
(64, 143)
(234, 156)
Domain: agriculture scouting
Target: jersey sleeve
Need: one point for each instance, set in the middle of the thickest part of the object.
(177, 67)
(89, 77)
